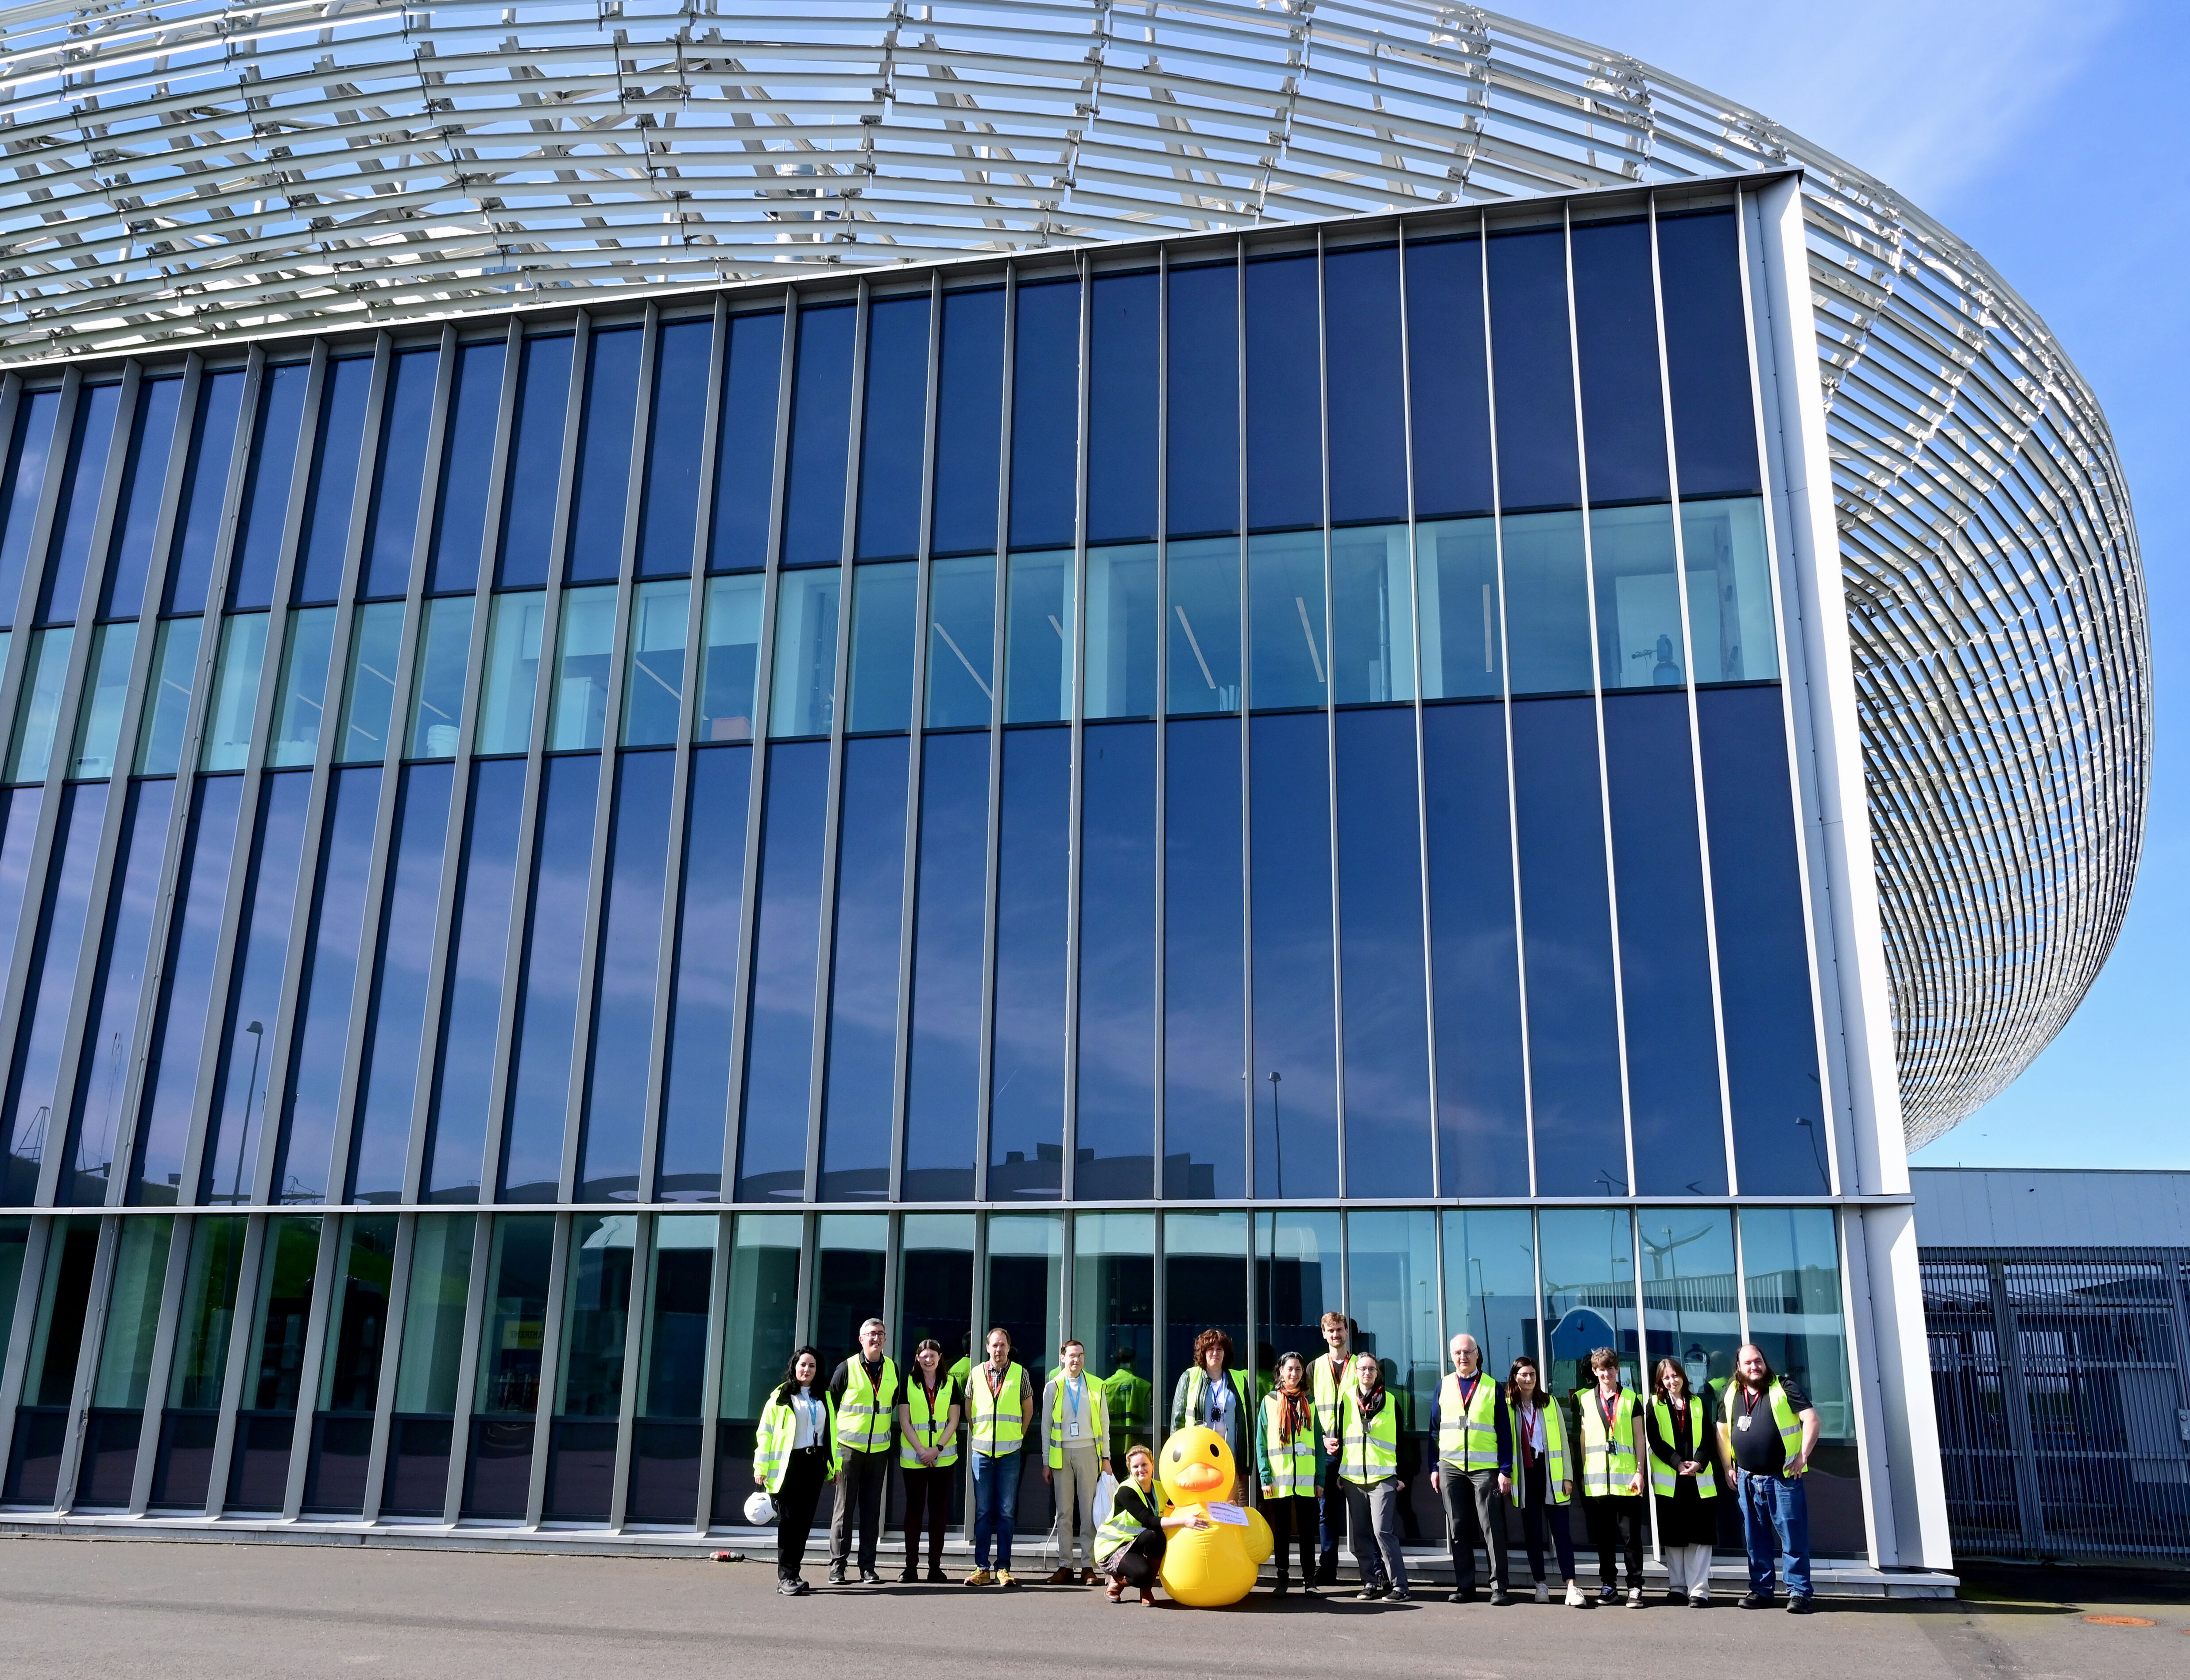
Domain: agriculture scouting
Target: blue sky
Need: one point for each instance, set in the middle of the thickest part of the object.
(2034, 131)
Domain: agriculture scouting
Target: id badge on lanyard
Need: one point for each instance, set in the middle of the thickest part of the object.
(1074, 1429)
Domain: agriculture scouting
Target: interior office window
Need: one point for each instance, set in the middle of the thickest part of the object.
(1125, 626)
(83, 486)
(369, 714)
(589, 1384)
(1372, 632)
(512, 1332)
(1731, 628)
(586, 640)
(1639, 644)
(1201, 447)
(512, 673)
(969, 420)
(204, 485)
(167, 701)
(666, 1440)
(1546, 604)
(144, 485)
(1034, 851)
(460, 511)
(1046, 414)
(860, 1102)
(1531, 354)
(300, 697)
(669, 515)
(820, 433)
(399, 471)
(745, 444)
(531, 483)
(349, 1373)
(235, 692)
(762, 1321)
(1202, 580)
(599, 496)
(38, 710)
(1289, 643)
(439, 669)
(654, 681)
(894, 428)
(1707, 354)
(944, 1093)
(1124, 372)
(1024, 1283)
(421, 1432)
(730, 659)
(49, 1375)
(1204, 979)
(803, 693)
(885, 643)
(336, 452)
(1115, 1101)
(1623, 407)
(962, 624)
(115, 1424)
(1295, 1009)
(270, 478)
(703, 1009)
(1038, 634)
(266, 1423)
(1284, 393)
(189, 1418)
(1366, 385)
(1449, 394)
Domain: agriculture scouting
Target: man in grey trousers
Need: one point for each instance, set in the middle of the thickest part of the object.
(1076, 1437)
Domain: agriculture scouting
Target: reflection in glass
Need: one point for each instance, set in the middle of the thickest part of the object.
(1202, 414)
(1205, 1288)
(962, 621)
(166, 706)
(337, 453)
(1297, 1274)
(1730, 620)
(1124, 372)
(969, 420)
(1285, 393)
(801, 697)
(673, 1359)
(730, 659)
(1532, 356)
(673, 459)
(601, 481)
(369, 701)
(37, 715)
(1548, 604)
(702, 1026)
(1026, 1258)
(1638, 598)
(1463, 642)
(860, 1090)
(204, 481)
(1033, 852)
(300, 702)
(132, 1312)
(892, 428)
(258, 1473)
(885, 639)
(38, 1114)
(1707, 353)
(460, 514)
(209, 1312)
(106, 692)
(512, 673)
(137, 501)
(851, 1257)
(1588, 1261)
(437, 677)
(1688, 1303)
(1116, 1100)
(1366, 389)
(1372, 637)
(398, 472)
(1124, 624)
(1294, 1010)
(1204, 625)
(586, 636)
(762, 1312)
(1113, 1283)
(1204, 982)
(595, 1298)
(1790, 1263)
(535, 462)
(349, 1378)
(786, 966)
(1490, 1283)
(1044, 412)
(935, 1285)
(943, 1086)
(1622, 409)
(1038, 637)
(420, 1434)
(1285, 621)
(745, 443)
(820, 429)
(1392, 1293)
(514, 1318)
(625, 984)
(654, 688)
(29, 456)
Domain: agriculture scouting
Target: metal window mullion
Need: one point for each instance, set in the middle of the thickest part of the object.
(642, 440)
(467, 1364)
(331, 1258)
(638, 1308)
(1160, 1006)
(1695, 728)
(1076, 656)
(566, 470)
(1330, 744)
(243, 1319)
(710, 1374)
(153, 1418)
(984, 1115)
(1597, 701)
(551, 1362)
(391, 1356)
(87, 1363)
(1246, 731)
(757, 777)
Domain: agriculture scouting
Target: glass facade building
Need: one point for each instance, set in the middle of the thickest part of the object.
(549, 857)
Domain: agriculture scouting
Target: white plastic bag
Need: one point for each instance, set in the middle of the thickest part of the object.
(1106, 1495)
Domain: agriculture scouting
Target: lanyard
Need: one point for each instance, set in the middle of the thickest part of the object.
(1608, 1410)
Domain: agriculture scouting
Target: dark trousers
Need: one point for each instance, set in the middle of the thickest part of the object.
(804, 1479)
(1293, 1524)
(1538, 1513)
(1331, 1518)
(1616, 1527)
(860, 1485)
(1139, 1565)
(1474, 1514)
(927, 1496)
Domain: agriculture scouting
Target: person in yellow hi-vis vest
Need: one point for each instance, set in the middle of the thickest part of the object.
(1474, 1454)
(794, 1458)
(1612, 1478)
(864, 1391)
(1076, 1434)
(927, 1413)
(1542, 1480)
(1288, 1460)
(999, 1408)
(1767, 1433)
(1369, 1471)
(1683, 1482)
(1327, 1380)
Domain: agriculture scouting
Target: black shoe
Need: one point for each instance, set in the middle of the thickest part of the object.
(1400, 1595)
(936, 1577)
(1370, 1592)
(1674, 1596)
(793, 1589)
(835, 1574)
(1498, 1595)
(869, 1578)
(910, 1574)
(1756, 1601)
(1326, 1573)
(1283, 1587)
(1608, 1595)
(1465, 1595)
(1799, 1606)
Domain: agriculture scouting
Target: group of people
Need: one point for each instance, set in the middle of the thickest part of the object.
(1324, 1444)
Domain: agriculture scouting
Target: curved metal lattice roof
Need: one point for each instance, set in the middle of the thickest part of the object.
(186, 169)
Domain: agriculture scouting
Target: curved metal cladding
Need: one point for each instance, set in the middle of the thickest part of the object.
(184, 172)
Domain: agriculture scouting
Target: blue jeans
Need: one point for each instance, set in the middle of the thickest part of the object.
(996, 1498)
(1775, 1519)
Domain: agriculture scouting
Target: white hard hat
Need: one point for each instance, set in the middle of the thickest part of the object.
(760, 1510)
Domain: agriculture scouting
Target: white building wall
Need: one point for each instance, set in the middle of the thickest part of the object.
(2067, 1207)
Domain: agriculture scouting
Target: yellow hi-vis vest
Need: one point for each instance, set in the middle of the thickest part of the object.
(1663, 1476)
(1368, 1448)
(1606, 1466)
(1467, 1438)
(1555, 1451)
(779, 1428)
(1123, 1526)
(1327, 1386)
(1198, 1384)
(1783, 1417)
(926, 1426)
(998, 1419)
(1096, 1434)
(1292, 1463)
(867, 1413)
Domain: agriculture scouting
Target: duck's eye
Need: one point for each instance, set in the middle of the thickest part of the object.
(1212, 1449)
(1174, 1455)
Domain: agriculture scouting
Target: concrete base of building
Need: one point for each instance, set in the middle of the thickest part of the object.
(1836, 1577)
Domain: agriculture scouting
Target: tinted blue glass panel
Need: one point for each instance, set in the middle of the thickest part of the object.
(329, 989)
(1038, 637)
(943, 1094)
(1538, 465)
(1116, 1101)
(144, 480)
(1124, 627)
(962, 624)
(969, 420)
(382, 1147)
(1664, 958)
(859, 1103)
(1449, 395)
(111, 1043)
(1622, 409)
(1205, 978)
(1547, 576)
(1026, 1092)
(81, 490)
(237, 1131)
(548, 1010)
(786, 964)
(473, 995)
(1482, 1136)
(1046, 414)
(1204, 624)
(460, 512)
(1366, 394)
(885, 638)
(1289, 644)
(1372, 641)
(536, 464)
(894, 428)
(1123, 373)
(21, 806)
(267, 485)
(1763, 962)
(624, 993)
(1638, 597)
(27, 459)
(335, 457)
(51, 989)
(603, 482)
(1284, 395)
(744, 446)
(703, 1019)
(1566, 919)
(803, 697)
(1381, 957)
(171, 1079)
(821, 427)
(1707, 355)
(1296, 1019)
(1732, 635)
(205, 482)
(1202, 412)
(399, 472)
(668, 517)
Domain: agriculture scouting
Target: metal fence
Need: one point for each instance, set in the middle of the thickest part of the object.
(2063, 1400)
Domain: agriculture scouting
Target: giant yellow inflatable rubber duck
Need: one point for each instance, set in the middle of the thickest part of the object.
(1215, 1565)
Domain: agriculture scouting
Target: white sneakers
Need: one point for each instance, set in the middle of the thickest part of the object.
(1576, 1599)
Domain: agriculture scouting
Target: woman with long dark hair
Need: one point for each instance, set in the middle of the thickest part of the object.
(1683, 1482)
(794, 1458)
(1543, 1482)
(1288, 1460)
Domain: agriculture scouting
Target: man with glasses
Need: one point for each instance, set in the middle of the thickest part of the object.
(1474, 1454)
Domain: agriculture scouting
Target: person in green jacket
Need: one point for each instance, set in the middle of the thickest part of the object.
(794, 1458)
(1289, 1463)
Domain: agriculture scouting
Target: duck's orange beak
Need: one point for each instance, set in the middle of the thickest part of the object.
(1198, 1478)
